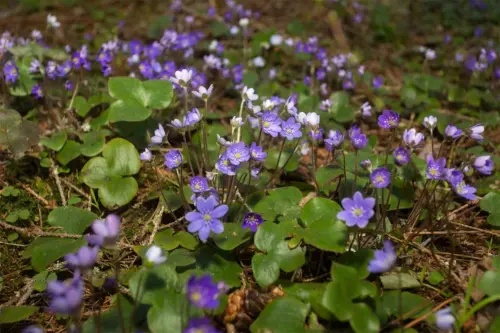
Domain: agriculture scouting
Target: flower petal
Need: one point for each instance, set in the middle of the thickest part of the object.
(219, 211)
(193, 216)
(195, 226)
(217, 226)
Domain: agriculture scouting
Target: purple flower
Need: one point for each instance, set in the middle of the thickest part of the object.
(206, 218)
(464, 190)
(37, 91)
(203, 292)
(388, 119)
(366, 165)
(146, 155)
(32, 329)
(106, 232)
(199, 184)
(412, 138)
(357, 211)
(83, 259)
(64, 69)
(383, 260)
(359, 141)
(377, 82)
(252, 221)
(65, 298)
(476, 132)
(68, 85)
(316, 133)
(257, 153)
(453, 132)
(334, 139)
(444, 319)
(173, 159)
(454, 176)
(436, 169)
(193, 117)
(159, 135)
(380, 178)
(401, 156)
(200, 325)
(224, 165)
(238, 153)
(271, 124)
(290, 129)
(10, 71)
(483, 164)
(366, 109)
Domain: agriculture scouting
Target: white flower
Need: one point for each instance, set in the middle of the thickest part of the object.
(249, 94)
(259, 62)
(412, 138)
(268, 104)
(304, 148)
(311, 119)
(211, 175)
(361, 70)
(430, 54)
(86, 127)
(276, 40)
(155, 255)
(182, 77)
(52, 21)
(204, 93)
(213, 45)
(176, 123)
(234, 30)
(36, 34)
(236, 122)
(289, 42)
(244, 22)
(325, 105)
(212, 61)
(366, 109)
(222, 141)
(290, 107)
(430, 122)
(159, 135)
(146, 155)
(256, 109)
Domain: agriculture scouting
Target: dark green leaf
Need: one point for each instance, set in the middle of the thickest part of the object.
(72, 219)
(95, 172)
(159, 93)
(363, 319)
(56, 141)
(284, 315)
(46, 250)
(266, 270)
(118, 192)
(122, 157)
(411, 306)
(69, 152)
(12, 314)
(93, 143)
(232, 236)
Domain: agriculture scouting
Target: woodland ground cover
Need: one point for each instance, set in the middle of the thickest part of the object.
(223, 166)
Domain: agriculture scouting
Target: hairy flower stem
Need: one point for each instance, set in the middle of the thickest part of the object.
(355, 171)
(204, 130)
(178, 172)
(277, 173)
(343, 158)
(279, 155)
(160, 188)
(240, 114)
(313, 169)
(188, 157)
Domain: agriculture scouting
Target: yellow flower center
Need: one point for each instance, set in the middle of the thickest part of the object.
(197, 186)
(196, 296)
(357, 212)
(392, 122)
(207, 217)
(433, 172)
(266, 124)
(380, 179)
(288, 130)
(237, 155)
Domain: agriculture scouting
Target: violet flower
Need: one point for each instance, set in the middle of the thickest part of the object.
(453, 132)
(445, 319)
(224, 165)
(401, 156)
(435, 168)
(146, 155)
(476, 132)
(200, 325)
(206, 218)
(252, 221)
(357, 211)
(412, 138)
(173, 159)
(271, 123)
(383, 259)
(203, 292)
(84, 259)
(484, 165)
(238, 153)
(388, 119)
(37, 91)
(65, 298)
(159, 135)
(106, 232)
(257, 153)
(380, 178)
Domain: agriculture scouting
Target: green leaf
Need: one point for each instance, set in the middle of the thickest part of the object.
(93, 143)
(159, 93)
(127, 89)
(174, 201)
(435, 278)
(325, 176)
(181, 257)
(40, 280)
(110, 321)
(118, 192)
(341, 109)
(73, 220)
(281, 201)
(56, 141)
(411, 306)
(122, 157)
(167, 240)
(232, 236)
(127, 111)
(284, 315)
(165, 316)
(489, 203)
(490, 283)
(69, 152)
(265, 269)
(318, 209)
(399, 281)
(145, 284)
(95, 172)
(12, 314)
(46, 250)
(363, 319)
(268, 234)
(158, 25)
(341, 291)
(327, 234)
(24, 214)
(81, 106)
